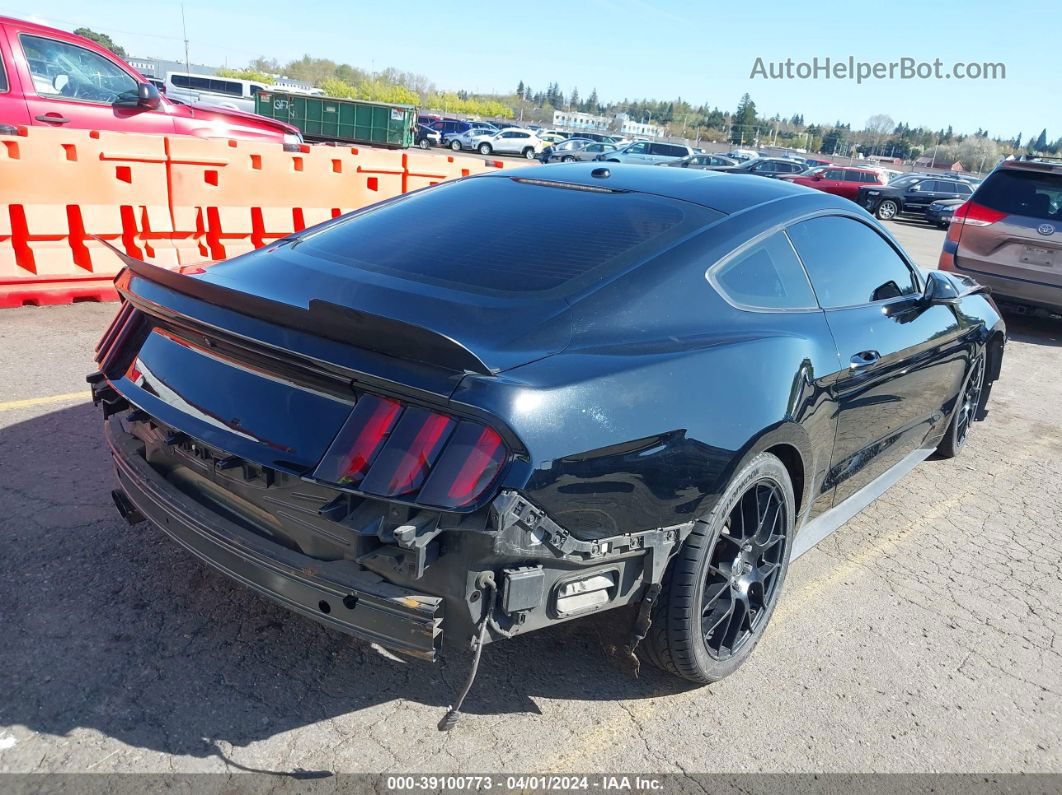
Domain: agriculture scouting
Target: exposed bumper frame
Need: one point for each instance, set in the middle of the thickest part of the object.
(339, 594)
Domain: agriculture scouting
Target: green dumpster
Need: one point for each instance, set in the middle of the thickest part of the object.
(333, 119)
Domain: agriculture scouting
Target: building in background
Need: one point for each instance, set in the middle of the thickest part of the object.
(158, 67)
(574, 120)
(578, 122)
(628, 126)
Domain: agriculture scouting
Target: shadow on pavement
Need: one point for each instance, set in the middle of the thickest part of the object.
(1034, 330)
(113, 627)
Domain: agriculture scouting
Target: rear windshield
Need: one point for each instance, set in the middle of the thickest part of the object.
(502, 235)
(1034, 194)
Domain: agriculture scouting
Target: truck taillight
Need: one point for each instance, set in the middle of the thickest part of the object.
(392, 450)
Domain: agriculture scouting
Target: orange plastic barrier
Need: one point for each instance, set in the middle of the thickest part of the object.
(174, 200)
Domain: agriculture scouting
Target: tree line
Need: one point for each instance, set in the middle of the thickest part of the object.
(880, 135)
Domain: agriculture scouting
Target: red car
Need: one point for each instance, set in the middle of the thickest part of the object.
(55, 79)
(839, 181)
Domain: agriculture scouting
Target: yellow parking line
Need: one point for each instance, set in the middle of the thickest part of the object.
(67, 397)
(606, 734)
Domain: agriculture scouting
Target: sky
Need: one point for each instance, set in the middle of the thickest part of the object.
(704, 53)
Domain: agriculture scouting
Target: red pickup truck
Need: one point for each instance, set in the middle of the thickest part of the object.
(55, 79)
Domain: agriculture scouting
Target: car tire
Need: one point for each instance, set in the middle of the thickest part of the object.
(484, 148)
(682, 639)
(455, 145)
(887, 209)
(967, 407)
(424, 143)
(568, 159)
(529, 153)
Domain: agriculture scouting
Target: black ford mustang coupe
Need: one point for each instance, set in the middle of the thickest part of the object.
(508, 401)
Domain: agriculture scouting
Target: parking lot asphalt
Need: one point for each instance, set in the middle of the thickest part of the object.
(925, 635)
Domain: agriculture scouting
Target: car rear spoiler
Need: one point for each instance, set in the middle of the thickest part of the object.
(376, 333)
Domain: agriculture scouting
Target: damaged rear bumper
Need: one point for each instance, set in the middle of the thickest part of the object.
(339, 594)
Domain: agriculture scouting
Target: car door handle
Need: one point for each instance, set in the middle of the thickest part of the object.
(863, 358)
(52, 118)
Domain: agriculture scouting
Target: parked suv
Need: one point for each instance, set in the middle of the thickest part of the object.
(838, 181)
(911, 195)
(57, 79)
(647, 153)
(512, 141)
(450, 127)
(1007, 236)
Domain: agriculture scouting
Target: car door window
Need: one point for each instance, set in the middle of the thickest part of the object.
(849, 263)
(765, 168)
(853, 176)
(71, 72)
(835, 174)
(3, 75)
(766, 276)
(638, 149)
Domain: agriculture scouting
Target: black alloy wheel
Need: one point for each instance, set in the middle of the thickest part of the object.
(966, 408)
(743, 570)
(722, 586)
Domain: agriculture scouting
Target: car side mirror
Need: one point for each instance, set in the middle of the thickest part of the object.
(147, 97)
(939, 289)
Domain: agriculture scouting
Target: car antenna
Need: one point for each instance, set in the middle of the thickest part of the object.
(485, 581)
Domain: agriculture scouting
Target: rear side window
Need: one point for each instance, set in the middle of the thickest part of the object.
(497, 234)
(3, 75)
(1034, 194)
(767, 276)
(849, 263)
(668, 150)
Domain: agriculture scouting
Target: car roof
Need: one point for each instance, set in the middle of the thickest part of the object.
(726, 193)
(28, 25)
(1052, 165)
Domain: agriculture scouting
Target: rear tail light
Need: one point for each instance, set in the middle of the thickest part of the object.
(968, 214)
(413, 447)
(362, 437)
(389, 449)
(977, 214)
(472, 461)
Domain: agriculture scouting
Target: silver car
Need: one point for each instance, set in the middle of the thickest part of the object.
(469, 139)
(704, 161)
(569, 151)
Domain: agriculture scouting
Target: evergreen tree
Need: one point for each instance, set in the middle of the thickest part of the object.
(574, 99)
(592, 105)
(1041, 142)
(520, 90)
(743, 122)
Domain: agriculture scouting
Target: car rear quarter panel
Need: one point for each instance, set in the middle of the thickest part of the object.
(664, 391)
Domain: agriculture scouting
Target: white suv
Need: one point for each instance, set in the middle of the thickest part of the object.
(512, 140)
